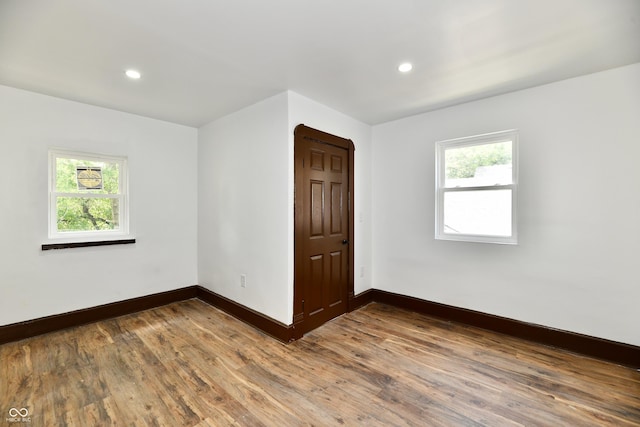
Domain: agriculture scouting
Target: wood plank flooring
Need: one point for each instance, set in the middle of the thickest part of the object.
(189, 364)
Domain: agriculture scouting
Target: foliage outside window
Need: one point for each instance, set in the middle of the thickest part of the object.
(87, 196)
(476, 194)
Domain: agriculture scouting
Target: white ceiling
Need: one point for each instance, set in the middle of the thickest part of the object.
(202, 59)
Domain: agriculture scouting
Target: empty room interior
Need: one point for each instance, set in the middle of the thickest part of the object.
(320, 213)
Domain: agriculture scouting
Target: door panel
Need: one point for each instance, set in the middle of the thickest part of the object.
(323, 275)
(317, 209)
(314, 303)
(336, 208)
(337, 278)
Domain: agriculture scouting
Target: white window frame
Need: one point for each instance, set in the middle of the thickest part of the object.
(123, 196)
(441, 189)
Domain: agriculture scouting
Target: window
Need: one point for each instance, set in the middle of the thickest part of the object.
(87, 196)
(476, 188)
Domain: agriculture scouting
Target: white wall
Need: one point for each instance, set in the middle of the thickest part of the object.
(246, 200)
(243, 211)
(579, 206)
(579, 229)
(163, 210)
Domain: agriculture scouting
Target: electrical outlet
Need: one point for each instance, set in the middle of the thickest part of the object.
(243, 280)
(361, 271)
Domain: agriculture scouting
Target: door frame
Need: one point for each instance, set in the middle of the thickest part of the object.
(302, 132)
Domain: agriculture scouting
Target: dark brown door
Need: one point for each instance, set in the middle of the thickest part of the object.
(323, 247)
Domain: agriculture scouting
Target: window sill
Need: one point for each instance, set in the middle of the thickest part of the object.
(71, 245)
(471, 238)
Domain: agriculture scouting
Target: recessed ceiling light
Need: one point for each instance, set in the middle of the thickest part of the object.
(133, 74)
(405, 67)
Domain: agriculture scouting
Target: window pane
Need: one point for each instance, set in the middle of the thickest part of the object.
(76, 176)
(485, 212)
(85, 214)
(478, 165)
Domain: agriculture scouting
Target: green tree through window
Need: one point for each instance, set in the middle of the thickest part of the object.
(463, 162)
(78, 209)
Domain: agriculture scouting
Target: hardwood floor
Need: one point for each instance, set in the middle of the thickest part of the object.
(189, 364)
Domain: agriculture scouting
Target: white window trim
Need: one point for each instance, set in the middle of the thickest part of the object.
(494, 137)
(123, 195)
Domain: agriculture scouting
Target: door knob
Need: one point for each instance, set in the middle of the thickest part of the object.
(345, 241)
